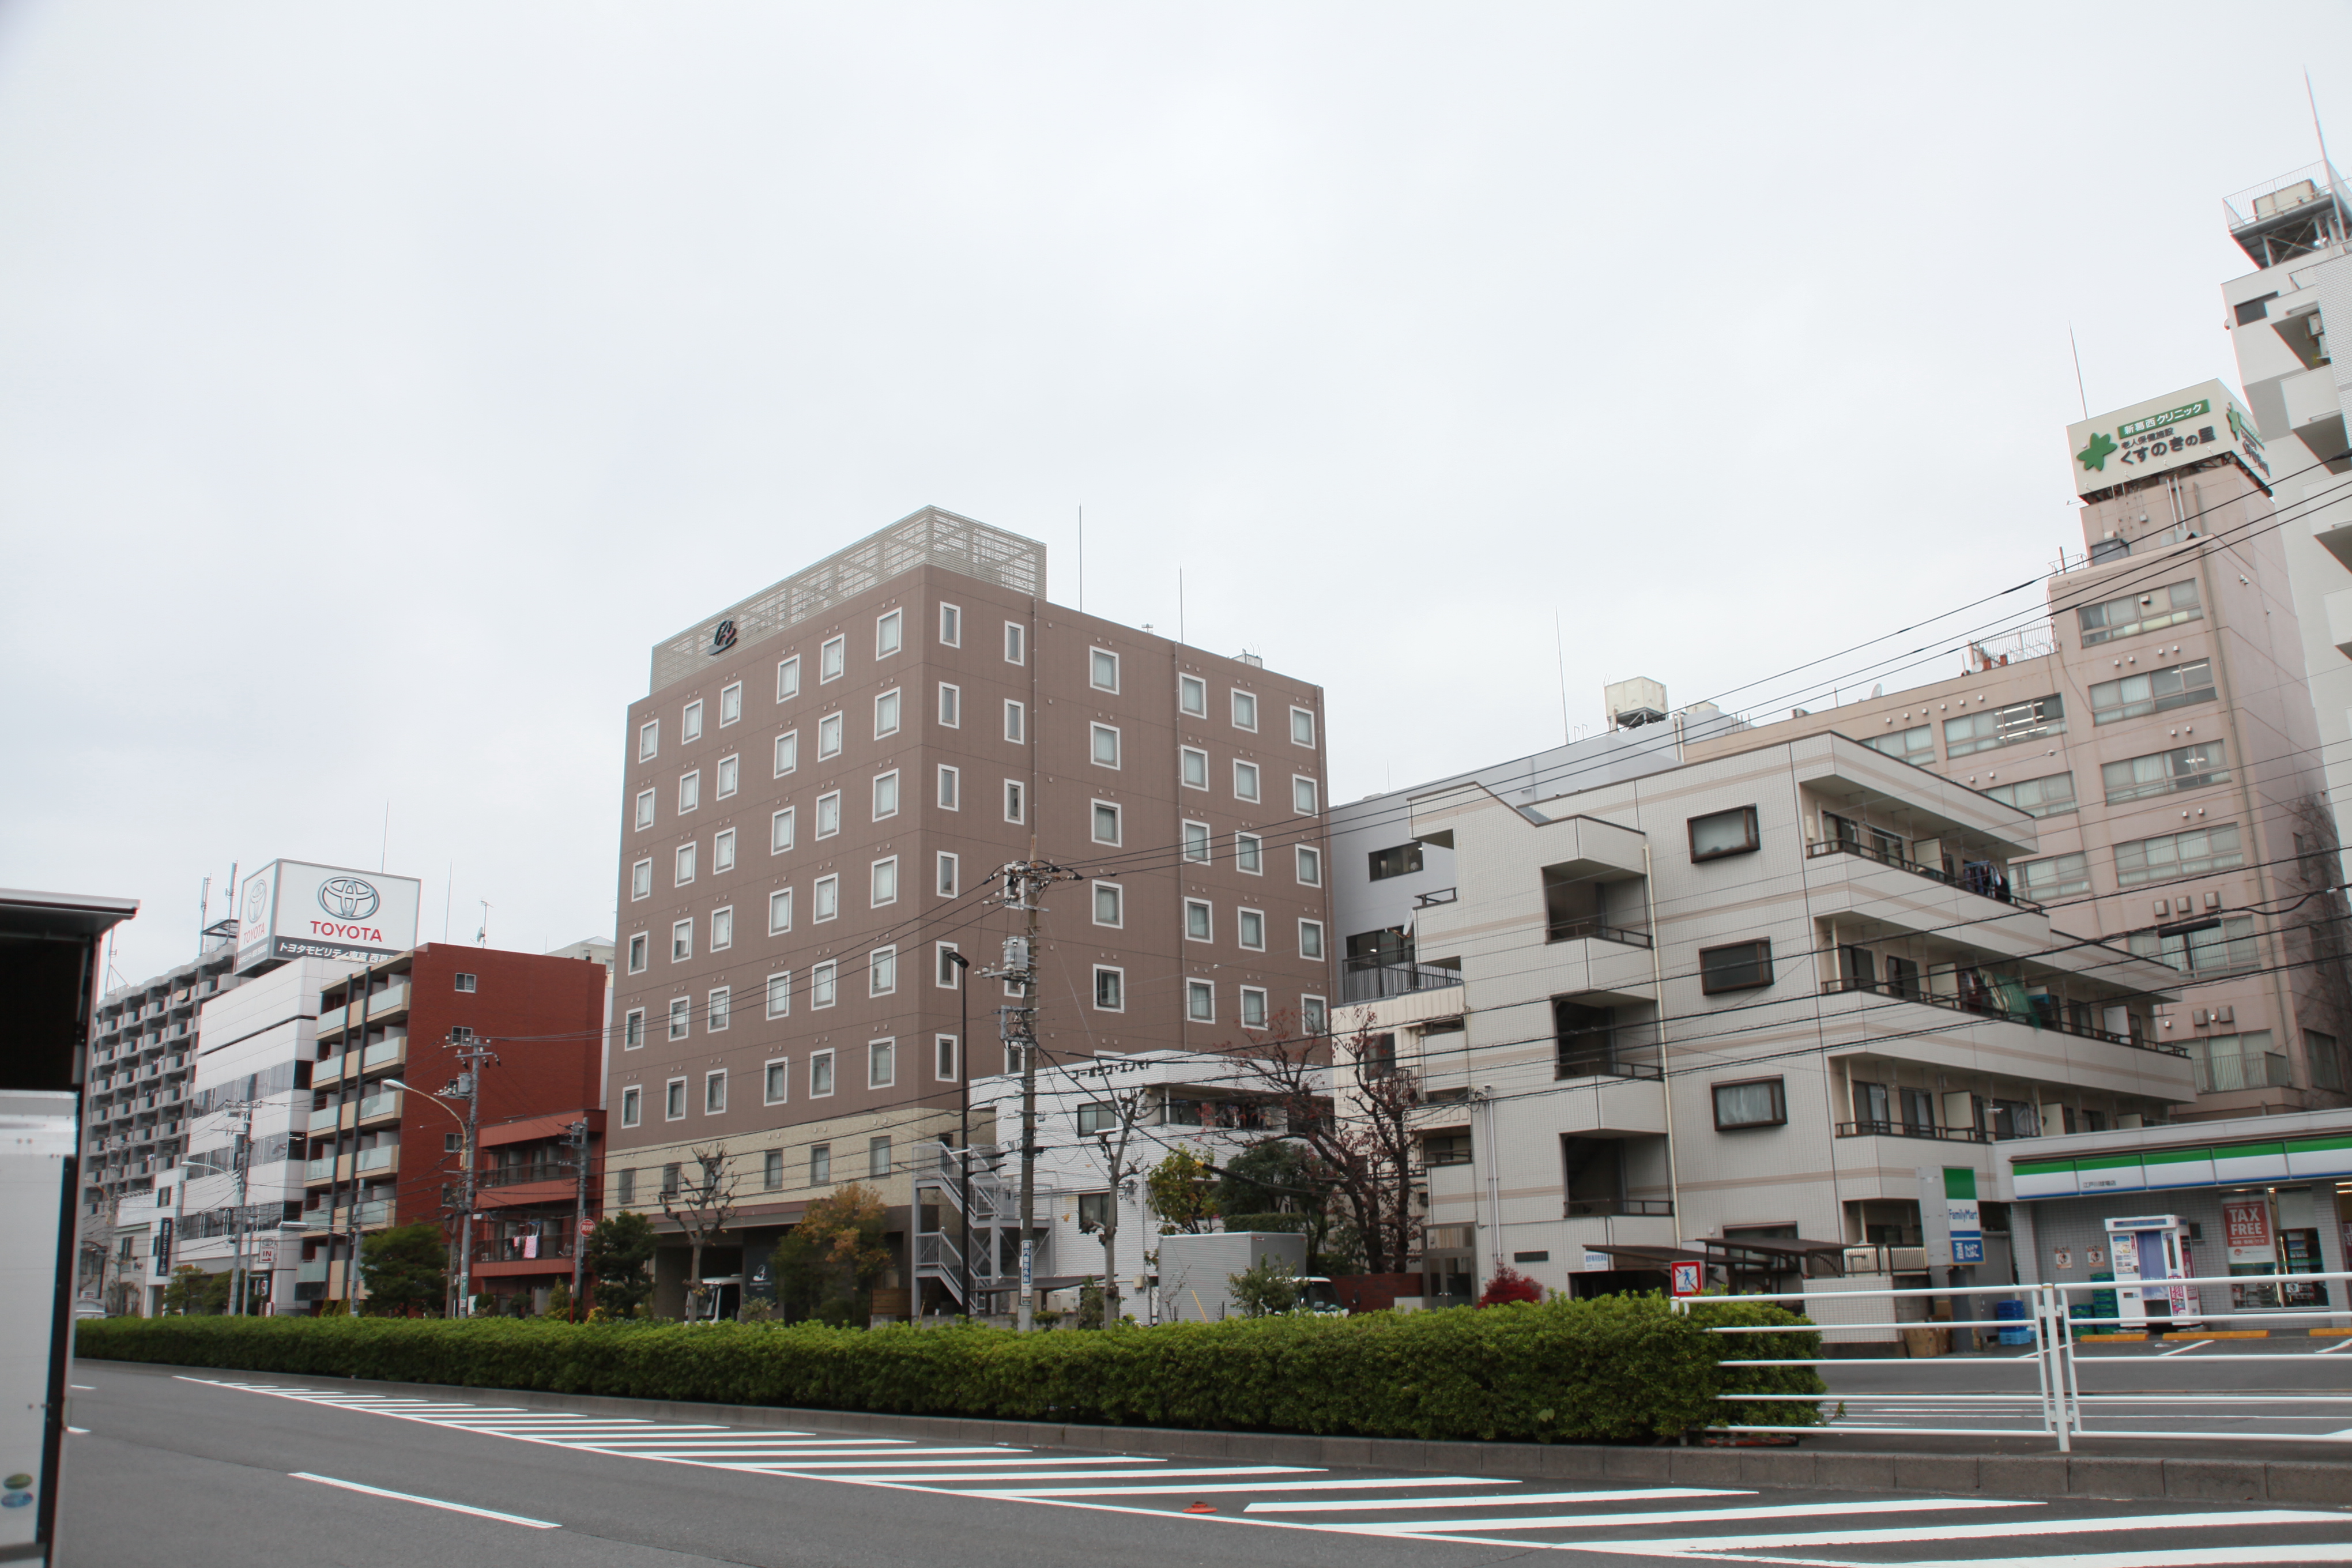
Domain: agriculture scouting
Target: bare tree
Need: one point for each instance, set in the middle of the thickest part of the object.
(1357, 1111)
(703, 1205)
(1126, 1108)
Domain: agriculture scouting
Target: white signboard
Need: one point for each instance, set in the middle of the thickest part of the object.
(2168, 432)
(291, 909)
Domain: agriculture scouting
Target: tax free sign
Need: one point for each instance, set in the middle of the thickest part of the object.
(2164, 433)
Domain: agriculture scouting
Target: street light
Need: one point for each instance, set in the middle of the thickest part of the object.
(964, 1115)
(466, 1223)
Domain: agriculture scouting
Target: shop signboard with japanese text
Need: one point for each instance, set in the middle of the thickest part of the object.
(2168, 432)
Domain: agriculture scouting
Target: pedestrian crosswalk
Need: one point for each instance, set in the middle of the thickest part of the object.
(1690, 1524)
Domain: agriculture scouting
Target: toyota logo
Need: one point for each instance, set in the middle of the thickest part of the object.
(347, 898)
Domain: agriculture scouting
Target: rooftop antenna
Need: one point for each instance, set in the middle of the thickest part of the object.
(1180, 604)
(2325, 166)
(482, 937)
(1082, 561)
(2078, 370)
(384, 851)
(1560, 654)
(448, 896)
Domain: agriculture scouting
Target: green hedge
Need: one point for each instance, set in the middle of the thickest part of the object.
(1613, 1369)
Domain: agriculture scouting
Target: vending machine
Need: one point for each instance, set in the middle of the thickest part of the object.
(2147, 1250)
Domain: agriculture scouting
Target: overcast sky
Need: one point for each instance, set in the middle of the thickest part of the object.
(380, 382)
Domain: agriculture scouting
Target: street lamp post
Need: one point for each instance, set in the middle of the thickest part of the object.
(963, 1116)
(465, 1154)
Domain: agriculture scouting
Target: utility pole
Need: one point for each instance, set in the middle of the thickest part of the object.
(1025, 883)
(476, 1055)
(577, 1136)
(963, 1118)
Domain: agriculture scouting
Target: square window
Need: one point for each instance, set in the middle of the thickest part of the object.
(1110, 989)
(887, 633)
(641, 879)
(1201, 1001)
(780, 831)
(1192, 696)
(882, 972)
(820, 1075)
(1245, 781)
(674, 1102)
(788, 752)
(1302, 726)
(881, 1063)
(1252, 1008)
(1015, 800)
(1305, 798)
(681, 1017)
(1110, 904)
(877, 1159)
(644, 809)
(1723, 833)
(1194, 767)
(1737, 966)
(951, 625)
(950, 788)
(886, 714)
(722, 930)
(771, 1169)
(722, 852)
(1196, 842)
(1314, 1015)
(1310, 866)
(828, 736)
(690, 791)
(633, 1029)
(1249, 854)
(885, 795)
(720, 1009)
(685, 867)
(821, 1156)
(1310, 939)
(1250, 930)
(828, 898)
(690, 730)
(1016, 643)
(1016, 721)
(951, 706)
(828, 814)
(944, 968)
(885, 883)
(1102, 669)
(714, 1092)
(1106, 746)
(681, 940)
(632, 1106)
(1106, 823)
(731, 704)
(1199, 924)
(466, 981)
(832, 658)
(780, 994)
(788, 679)
(649, 740)
(776, 1082)
(1757, 1103)
(943, 1057)
(639, 945)
(949, 868)
(822, 983)
(1245, 710)
(727, 770)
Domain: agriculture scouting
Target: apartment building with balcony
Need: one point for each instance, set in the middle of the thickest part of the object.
(143, 1054)
(2157, 729)
(1691, 1006)
(819, 786)
(541, 1181)
(381, 1143)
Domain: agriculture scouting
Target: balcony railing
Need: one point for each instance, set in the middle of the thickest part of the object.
(1933, 873)
(1911, 1130)
(1429, 901)
(1616, 1208)
(1363, 981)
(1592, 1065)
(1579, 930)
(1987, 1004)
(2247, 1069)
(520, 1175)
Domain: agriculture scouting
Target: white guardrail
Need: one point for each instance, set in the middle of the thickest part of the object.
(2050, 1331)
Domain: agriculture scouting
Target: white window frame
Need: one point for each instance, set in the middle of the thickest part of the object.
(690, 791)
(1118, 823)
(1120, 975)
(641, 944)
(1188, 687)
(1016, 643)
(879, 1156)
(828, 809)
(1016, 721)
(1296, 713)
(1208, 920)
(951, 709)
(722, 927)
(885, 783)
(685, 862)
(1191, 759)
(788, 752)
(829, 731)
(1205, 839)
(824, 895)
(776, 1073)
(946, 1058)
(1095, 745)
(644, 817)
(882, 972)
(950, 624)
(1118, 892)
(722, 852)
(1016, 801)
(889, 633)
(882, 1062)
(641, 879)
(947, 874)
(633, 1029)
(719, 1009)
(1239, 699)
(689, 724)
(780, 830)
(950, 787)
(1249, 770)
(889, 711)
(632, 1105)
(943, 973)
(674, 1095)
(880, 871)
(1306, 795)
(681, 934)
(1314, 1017)
(1095, 657)
(825, 983)
(820, 1064)
(832, 659)
(1201, 1001)
(731, 704)
(1318, 948)
(1264, 1010)
(1249, 854)
(1241, 930)
(726, 776)
(788, 679)
(778, 990)
(681, 1021)
(1304, 856)
(649, 740)
(821, 1155)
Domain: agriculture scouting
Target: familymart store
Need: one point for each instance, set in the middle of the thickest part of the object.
(2132, 1207)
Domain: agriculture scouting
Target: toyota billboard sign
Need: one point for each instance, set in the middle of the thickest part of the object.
(291, 909)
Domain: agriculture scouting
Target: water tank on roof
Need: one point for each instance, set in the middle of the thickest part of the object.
(1640, 701)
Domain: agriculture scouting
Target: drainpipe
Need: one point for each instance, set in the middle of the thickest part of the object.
(1665, 1079)
(1494, 1176)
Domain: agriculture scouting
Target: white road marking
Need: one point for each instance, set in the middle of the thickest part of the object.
(2331, 1349)
(2006, 1530)
(996, 1487)
(1265, 1486)
(1510, 1499)
(427, 1502)
(1670, 1515)
(2190, 1557)
(79, 1431)
(86, 1388)
(2184, 1350)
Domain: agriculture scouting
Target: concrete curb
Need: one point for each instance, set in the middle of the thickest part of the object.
(2004, 1475)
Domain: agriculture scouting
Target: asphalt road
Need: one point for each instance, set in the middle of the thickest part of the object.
(221, 1469)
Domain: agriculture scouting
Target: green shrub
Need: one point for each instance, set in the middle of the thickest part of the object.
(1612, 1369)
